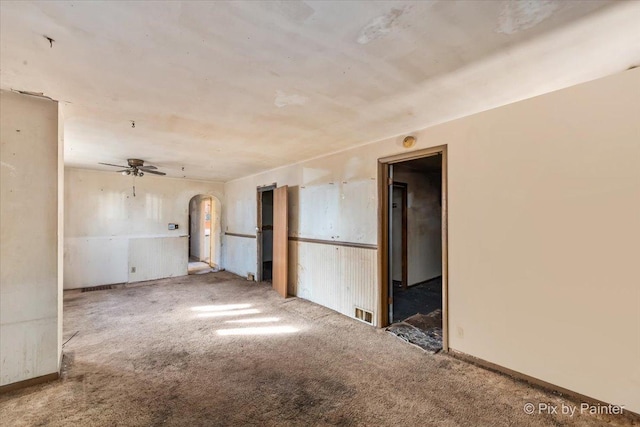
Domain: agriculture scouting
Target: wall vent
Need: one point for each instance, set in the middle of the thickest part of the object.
(364, 315)
(97, 288)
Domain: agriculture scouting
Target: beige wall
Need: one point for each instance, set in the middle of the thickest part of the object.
(108, 231)
(544, 208)
(544, 225)
(30, 311)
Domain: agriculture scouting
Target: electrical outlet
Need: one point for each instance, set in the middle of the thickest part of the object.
(133, 269)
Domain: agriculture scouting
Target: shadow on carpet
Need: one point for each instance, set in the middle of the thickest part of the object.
(422, 330)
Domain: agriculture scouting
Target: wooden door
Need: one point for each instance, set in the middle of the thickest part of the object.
(280, 240)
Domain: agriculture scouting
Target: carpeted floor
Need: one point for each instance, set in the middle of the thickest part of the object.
(217, 350)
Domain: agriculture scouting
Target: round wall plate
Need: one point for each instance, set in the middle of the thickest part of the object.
(409, 142)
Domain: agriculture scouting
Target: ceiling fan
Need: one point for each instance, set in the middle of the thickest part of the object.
(136, 168)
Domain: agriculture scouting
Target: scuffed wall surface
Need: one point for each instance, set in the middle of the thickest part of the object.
(156, 258)
(95, 260)
(332, 199)
(29, 306)
(544, 201)
(105, 226)
(337, 277)
(240, 255)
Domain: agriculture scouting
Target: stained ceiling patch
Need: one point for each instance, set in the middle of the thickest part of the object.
(519, 15)
(380, 26)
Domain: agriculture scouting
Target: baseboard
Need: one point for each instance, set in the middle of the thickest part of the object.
(535, 382)
(28, 383)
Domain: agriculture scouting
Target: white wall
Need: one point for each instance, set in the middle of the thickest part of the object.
(424, 223)
(330, 199)
(544, 201)
(30, 341)
(108, 231)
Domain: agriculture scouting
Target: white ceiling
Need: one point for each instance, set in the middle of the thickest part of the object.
(225, 90)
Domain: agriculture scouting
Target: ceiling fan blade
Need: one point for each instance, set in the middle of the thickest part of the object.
(154, 172)
(109, 164)
(124, 170)
(147, 167)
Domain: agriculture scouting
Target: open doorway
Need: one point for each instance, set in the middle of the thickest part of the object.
(265, 233)
(273, 237)
(202, 222)
(413, 233)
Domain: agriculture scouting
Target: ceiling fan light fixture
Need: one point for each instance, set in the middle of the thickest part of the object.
(136, 167)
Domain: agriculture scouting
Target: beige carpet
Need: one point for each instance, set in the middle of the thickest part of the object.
(216, 350)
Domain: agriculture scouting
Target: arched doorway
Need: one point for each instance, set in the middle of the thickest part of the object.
(204, 233)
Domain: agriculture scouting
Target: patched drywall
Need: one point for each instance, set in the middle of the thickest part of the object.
(109, 232)
(30, 306)
(543, 232)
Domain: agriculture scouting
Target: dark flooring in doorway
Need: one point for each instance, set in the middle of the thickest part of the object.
(423, 299)
(417, 314)
(267, 271)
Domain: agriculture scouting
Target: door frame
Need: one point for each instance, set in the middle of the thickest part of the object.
(384, 183)
(259, 192)
(280, 269)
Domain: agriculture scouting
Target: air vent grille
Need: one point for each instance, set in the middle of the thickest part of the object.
(97, 288)
(364, 315)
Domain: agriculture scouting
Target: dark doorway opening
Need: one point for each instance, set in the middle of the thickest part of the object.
(265, 233)
(415, 249)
